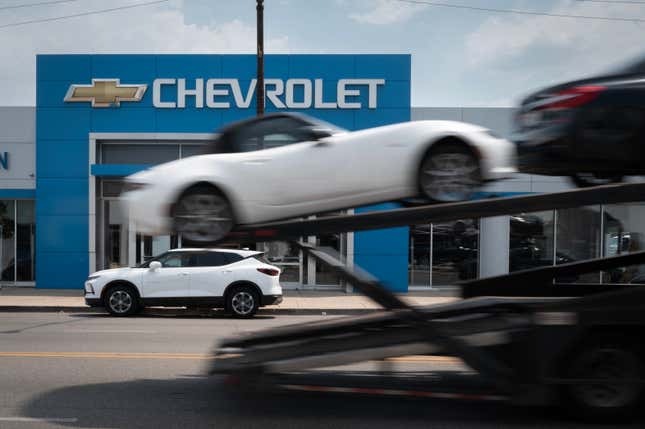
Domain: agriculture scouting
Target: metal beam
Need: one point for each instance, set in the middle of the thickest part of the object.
(293, 229)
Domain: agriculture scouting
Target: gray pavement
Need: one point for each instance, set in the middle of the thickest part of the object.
(88, 370)
(295, 301)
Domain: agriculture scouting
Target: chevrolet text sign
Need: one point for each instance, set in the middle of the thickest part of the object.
(217, 93)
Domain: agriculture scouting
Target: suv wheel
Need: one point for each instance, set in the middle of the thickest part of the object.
(243, 302)
(121, 300)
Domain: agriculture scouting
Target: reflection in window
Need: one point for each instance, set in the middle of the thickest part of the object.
(285, 256)
(442, 254)
(335, 245)
(25, 241)
(455, 251)
(578, 238)
(624, 232)
(419, 255)
(7, 237)
(531, 240)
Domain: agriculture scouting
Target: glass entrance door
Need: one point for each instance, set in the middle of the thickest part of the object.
(147, 247)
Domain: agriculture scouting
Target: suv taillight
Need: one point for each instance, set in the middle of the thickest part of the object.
(269, 271)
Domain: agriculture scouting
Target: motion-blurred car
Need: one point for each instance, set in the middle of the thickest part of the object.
(592, 130)
(285, 165)
(233, 279)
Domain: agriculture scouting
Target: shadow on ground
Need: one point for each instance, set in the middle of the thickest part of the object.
(192, 402)
(175, 314)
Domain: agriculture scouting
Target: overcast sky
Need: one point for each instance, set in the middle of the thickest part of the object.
(459, 57)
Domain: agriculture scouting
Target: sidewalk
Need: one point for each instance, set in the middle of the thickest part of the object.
(295, 301)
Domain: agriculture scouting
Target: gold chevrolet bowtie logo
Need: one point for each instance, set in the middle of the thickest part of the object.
(105, 92)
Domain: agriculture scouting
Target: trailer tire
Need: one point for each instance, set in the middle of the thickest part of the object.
(605, 357)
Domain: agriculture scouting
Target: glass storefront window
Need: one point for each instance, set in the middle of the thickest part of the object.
(17, 241)
(624, 232)
(25, 241)
(285, 256)
(333, 242)
(419, 255)
(7, 240)
(442, 254)
(138, 153)
(116, 235)
(531, 240)
(455, 251)
(578, 238)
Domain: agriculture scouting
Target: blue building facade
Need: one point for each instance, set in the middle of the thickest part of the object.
(82, 101)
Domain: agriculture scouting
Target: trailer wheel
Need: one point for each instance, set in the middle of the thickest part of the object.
(617, 365)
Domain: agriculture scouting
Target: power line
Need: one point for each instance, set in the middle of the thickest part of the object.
(93, 12)
(42, 3)
(521, 12)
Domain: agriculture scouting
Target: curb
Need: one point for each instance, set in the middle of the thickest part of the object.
(163, 312)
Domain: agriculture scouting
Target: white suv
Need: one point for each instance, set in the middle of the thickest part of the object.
(233, 279)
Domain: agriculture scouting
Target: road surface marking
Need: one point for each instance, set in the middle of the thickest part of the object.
(40, 419)
(194, 356)
(106, 355)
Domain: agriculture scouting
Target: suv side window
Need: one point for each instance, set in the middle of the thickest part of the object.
(213, 259)
(174, 260)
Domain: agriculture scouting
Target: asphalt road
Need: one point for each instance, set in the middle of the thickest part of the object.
(93, 371)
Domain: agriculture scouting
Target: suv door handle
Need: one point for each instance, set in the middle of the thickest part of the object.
(227, 271)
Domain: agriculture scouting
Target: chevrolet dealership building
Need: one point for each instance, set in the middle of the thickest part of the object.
(99, 118)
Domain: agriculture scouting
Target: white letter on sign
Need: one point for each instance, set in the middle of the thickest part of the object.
(372, 85)
(243, 103)
(306, 102)
(272, 94)
(211, 92)
(198, 93)
(156, 94)
(343, 93)
(319, 102)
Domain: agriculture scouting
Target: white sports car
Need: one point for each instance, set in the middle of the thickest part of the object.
(285, 165)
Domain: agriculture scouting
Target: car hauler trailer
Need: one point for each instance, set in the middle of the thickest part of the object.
(525, 338)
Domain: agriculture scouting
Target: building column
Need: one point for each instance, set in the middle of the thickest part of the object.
(494, 246)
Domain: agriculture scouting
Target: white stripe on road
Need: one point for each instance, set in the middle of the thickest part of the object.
(40, 419)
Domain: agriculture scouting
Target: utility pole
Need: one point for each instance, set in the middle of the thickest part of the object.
(260, 43)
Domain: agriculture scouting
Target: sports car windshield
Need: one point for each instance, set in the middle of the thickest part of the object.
(271, 131)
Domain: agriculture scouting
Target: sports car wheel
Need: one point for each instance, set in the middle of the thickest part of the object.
(585, 180)
(449, 173)
(203, 214)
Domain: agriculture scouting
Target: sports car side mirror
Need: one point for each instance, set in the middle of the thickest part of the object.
(155, 265)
